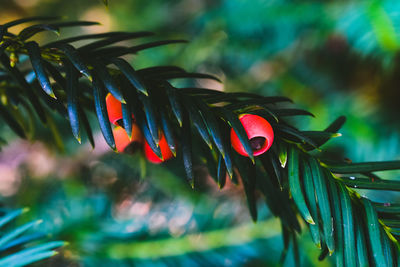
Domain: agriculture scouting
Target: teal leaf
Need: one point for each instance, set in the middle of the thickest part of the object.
(37, 64)
(311, 201)
(101, 111)
(374, 234)
(16, 232)
(168, 131)
(197, 119)
(213, 128)
(151, 116)
(75, 58)
(86, 126)
(29, 253)
(130, 74)
(362, 253)
(127, 118)
(187, 150)
(295, 185)
(108, 81)
(11, 216)
(364, 167)
(234, 122)
(221, 172)
(72, 99)
(323, 203)
(174, 100)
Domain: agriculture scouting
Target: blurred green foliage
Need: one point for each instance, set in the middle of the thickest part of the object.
(332, 58)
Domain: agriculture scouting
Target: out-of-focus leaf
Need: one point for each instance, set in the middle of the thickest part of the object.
(324, 253)
(55, 74)
(30, 253)
(296, 253)
(37, 64)
(16, 232)
(270, 191)
(11, 216)
(19, 78)
(22, 240)
(86, 125)
(286, 242)
(14, 125)
(4, 45)
(55, 132)
(28, 259)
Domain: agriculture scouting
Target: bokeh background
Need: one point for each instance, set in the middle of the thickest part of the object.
(331, 57)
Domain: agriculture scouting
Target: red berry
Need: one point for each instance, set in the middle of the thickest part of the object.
(165, 151)
(259, 132)
(125, 144)
(114, 109)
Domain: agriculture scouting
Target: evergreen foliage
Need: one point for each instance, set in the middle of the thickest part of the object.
(291, 176)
